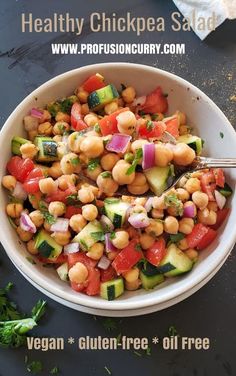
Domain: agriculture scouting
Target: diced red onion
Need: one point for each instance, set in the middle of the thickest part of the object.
(61, 225)
(220, 199)
(19, 192)
(139, 220)
(106, 223)
(26, 224)
(35, 112)
(148, 204)
(139, 101)
(104, 263)
(109, 247)
(118, 143)
(71, 248)
(148, 156)
(189, 211)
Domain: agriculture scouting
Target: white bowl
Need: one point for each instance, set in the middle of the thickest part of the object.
(208, 121)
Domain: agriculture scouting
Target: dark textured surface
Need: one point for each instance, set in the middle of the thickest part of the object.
(25, 63)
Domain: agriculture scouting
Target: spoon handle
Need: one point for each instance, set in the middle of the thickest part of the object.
(203, 162)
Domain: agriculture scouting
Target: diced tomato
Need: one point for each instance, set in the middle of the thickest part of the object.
(208, 184)
(108, 124)
(156, 129)
(60, 195)
(73, 258)
(127, 257)
(198, 232)
(156, 101)
(31, 184)
(219, 177)
(78, 287)
(93, 83)
(108, 274)
(93, 287)
(59, 260)
(20, 168)
(77, 122)
(72, 210)
(172, 126)
(156, 252)
(221, 216)
(207, 239)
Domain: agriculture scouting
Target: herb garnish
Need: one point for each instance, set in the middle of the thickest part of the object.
(175, 238)
(75, 161)
(138, 247)
(108, 370)
(93, 164)
(97, 128)
(35, 367)
(112, 235)
(72, 200)
(49, 218)
(106, 175)
(109, 324)
(172, 331)
(98, 236)
(149, 126)
(138, 155)
(54, 371)
(172, 200)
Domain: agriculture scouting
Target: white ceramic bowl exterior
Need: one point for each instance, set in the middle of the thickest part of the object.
(208, 121)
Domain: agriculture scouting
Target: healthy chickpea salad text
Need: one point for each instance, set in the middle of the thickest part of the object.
(65, 177)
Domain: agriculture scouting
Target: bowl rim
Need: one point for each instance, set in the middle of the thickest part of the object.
(83, 299)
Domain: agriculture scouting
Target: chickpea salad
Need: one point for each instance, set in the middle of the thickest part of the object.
(64, 176)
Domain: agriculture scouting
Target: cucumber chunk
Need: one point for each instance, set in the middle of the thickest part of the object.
(87, 238)
(112, 289)
(62, 272)
(47, 149)
(177, 260)
(47, 246)
(116, 211)
(99, 98)
(150, 277)
(157, 178)
(194, 142)
(16, 143)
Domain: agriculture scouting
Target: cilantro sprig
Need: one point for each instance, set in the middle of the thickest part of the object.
(137, 156)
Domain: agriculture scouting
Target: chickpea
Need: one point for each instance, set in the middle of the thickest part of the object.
(182, 182)
(31, 123)
(9, 182)
(157, 214)
(57, 138)
(37, 218)
(89, 212)
(61, 116)
(47, 186)
(74, 142)
(212, 205)
(207, 217)
(60, 127)
(106, 183)
(163, 155)
(193, 185)
(192, 254)
(155, 227)
(146, 240)
(183, 244)
(132, 286)
(186, 225)
(78, 273)
(14, 210)
(126, 122)
(111, 107)
(159, 202)
(85, 195)
(45, 129)
(109, 160)
(32, 134)
(182, 194)
(200, 199)
(128, 94)
(138, 144)
(119, 173)
(77, 222)
(82, 95)
(28, 150)
(91, 119)
(93, 174)
(66, 181)
(183, 154)
(45, 117)
(131, 275)
(70, 163)
(171, 225)
(55, 170)
(31, 247)
(139, 185)
(190, 203)
(92, 146)
(121, 239)
(96, 251)
(137, 209)
(62, 238)
(84, 109)
(25, 236)
(34, 199)
(57, 208)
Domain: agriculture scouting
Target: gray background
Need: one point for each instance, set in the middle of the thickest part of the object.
(26, 63)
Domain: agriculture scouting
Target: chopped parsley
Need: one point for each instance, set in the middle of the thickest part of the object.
(84, 244)
(138, 155)
(172, 200)
(112, 235)
(138, 247)
(148, 351)
(65, 105)
(75, 161)
(93, 164)
(149, 126)
(106, 175)
(172, 331)
(155, 117)
(54, 371)
(221, 134)
(72, 200)
(108, 370)
(98, 236)
(109, 324)
(35, 367)
(97, 128)
(175, 238)
(49, 218)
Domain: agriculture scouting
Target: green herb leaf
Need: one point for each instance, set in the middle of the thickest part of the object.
(54, 371)
(138, 247)
(38, 310)
(106, 175)
(35, 367)
(98, 236)
(97, 128)
(149, 126)
(65, 105)
(175, 238)
(84, 245)
(172, 331)
(112, 235)
(93, 164)
(172, 200)
(75, 161)
(109, 324)
(72, 200)
(138, 155)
